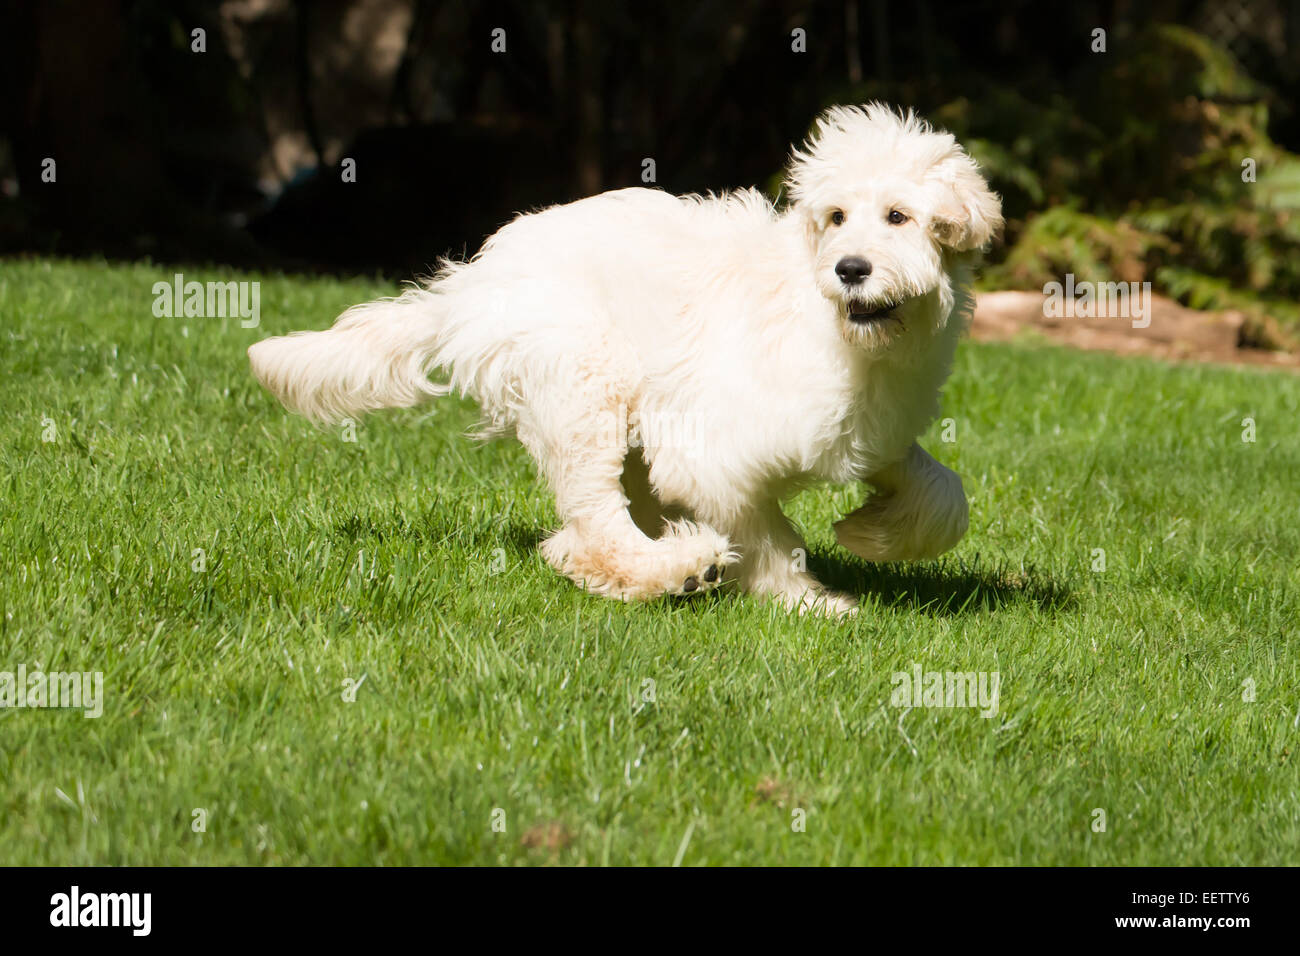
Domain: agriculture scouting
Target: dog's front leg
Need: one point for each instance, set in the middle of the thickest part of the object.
(774, 562)
(918, 511)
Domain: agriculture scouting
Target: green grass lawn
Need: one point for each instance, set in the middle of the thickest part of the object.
(406, 561)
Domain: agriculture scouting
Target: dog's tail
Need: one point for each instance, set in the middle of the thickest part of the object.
(377, 355)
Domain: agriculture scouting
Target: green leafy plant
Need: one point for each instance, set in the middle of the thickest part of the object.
(1156, 166)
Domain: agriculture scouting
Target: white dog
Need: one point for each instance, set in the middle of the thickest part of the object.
(753, 351)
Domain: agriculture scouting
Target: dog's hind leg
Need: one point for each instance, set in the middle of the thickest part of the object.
(581, 451)
(774, 562)
(919, 511)
(601, 548)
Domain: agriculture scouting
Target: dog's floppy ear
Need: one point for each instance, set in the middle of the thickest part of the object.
(967, 213)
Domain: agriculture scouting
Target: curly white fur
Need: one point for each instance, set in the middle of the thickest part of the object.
(712, 338)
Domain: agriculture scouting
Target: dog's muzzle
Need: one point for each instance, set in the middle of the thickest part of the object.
(863, 313)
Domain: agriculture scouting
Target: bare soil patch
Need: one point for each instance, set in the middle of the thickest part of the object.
(1174, 332)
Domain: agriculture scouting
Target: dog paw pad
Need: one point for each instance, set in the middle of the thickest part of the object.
(691, 584)
(712, 573)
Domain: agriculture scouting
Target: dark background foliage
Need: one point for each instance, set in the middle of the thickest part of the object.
(1124, 164)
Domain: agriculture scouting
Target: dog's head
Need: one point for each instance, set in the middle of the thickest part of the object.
(888, 204)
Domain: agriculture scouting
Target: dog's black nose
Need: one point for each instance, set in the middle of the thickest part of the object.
(852, 269)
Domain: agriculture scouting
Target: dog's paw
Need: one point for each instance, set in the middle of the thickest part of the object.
(835, 604)
(875, 534)
(695, 559)
(688, 559)
(821, 602)
(887, 529)
(713, 574)
(921, 517)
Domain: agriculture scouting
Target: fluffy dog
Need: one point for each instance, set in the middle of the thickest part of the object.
(677, 366)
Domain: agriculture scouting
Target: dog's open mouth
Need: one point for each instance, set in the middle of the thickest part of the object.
(865, 314)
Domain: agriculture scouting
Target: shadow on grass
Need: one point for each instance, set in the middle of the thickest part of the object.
(945, 588)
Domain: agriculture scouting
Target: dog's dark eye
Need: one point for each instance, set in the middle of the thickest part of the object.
(837, 218)
(896, 218)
